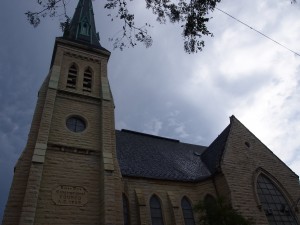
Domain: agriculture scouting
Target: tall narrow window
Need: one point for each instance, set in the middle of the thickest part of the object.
(87, 80)
(126, 210)
(187, 211)
(156, 212)
(72, 77)
(273, 202)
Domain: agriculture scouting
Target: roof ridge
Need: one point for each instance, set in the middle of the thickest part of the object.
(213, 153)
(149, 135)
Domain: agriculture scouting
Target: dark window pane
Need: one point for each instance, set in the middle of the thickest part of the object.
(273, 202)
(75, 124)
(187, 211)
(156, 212)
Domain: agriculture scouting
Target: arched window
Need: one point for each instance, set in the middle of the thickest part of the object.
(273, 202)
(187, 211)
(156, 212)
(126, 210)
(87, 80)
(72, 77)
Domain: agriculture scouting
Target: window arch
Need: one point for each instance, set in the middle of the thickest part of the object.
(156, 211)
(187, 211)
(87, 80)
(273, 202)
(72, 77)
(125, 210)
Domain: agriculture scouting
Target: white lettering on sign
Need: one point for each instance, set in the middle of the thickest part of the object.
(69, 195)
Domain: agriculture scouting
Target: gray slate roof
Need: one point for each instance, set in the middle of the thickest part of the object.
(213, 154)
(148, 156)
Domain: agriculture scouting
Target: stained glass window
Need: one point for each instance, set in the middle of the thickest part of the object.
(273, 203)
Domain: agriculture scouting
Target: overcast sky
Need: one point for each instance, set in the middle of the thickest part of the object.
(162, 90)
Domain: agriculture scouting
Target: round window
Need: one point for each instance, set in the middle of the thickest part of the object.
(75, 124)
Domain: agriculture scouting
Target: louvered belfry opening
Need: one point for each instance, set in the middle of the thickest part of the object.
(72, 77)
(87, 80)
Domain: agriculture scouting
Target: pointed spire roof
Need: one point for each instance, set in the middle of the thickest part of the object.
(82, 26)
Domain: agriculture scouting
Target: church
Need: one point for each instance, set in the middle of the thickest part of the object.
(76, 168)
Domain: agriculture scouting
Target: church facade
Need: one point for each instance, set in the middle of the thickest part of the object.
(77, 169)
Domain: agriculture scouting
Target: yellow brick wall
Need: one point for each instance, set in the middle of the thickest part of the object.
(67, 106)
(241, 165)
(139, 192)
(73, 170)
(57, 159)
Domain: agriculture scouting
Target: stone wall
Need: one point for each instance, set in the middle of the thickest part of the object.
(139, 192)
(244, 159)
(64, 177)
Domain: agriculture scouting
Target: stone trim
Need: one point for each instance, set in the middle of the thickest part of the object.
(142, 207)
(70, 149)
(108, 161)
(80, 57)
(73, 95)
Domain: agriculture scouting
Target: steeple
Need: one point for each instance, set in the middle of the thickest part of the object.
(82, 27)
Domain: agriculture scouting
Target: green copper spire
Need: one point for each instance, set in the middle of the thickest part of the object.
(82, 27)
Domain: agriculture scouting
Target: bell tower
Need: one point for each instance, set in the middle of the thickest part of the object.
(68, 172)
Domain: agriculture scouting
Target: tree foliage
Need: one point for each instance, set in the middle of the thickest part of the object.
(191, 15)
(217, 212)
